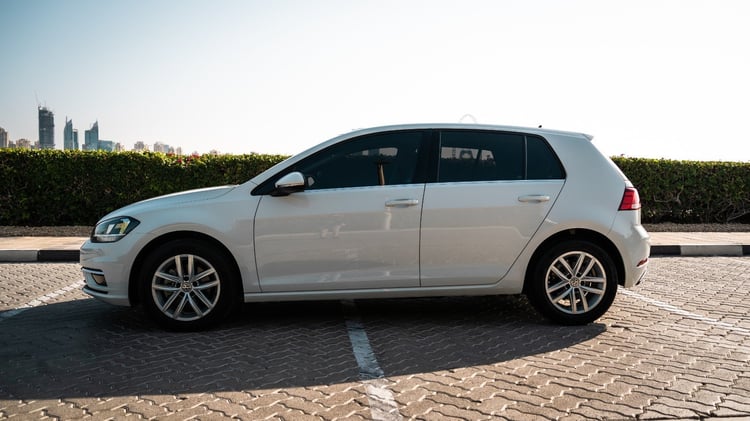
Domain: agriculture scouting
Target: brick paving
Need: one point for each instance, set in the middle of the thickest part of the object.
(676, 347)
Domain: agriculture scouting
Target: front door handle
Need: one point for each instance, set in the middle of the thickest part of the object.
(534, 198)
(401, 203)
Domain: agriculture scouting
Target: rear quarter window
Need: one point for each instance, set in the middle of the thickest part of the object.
(541, 161)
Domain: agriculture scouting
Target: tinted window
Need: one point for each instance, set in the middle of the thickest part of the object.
(382, 159)
(542, 164)
(480, 156)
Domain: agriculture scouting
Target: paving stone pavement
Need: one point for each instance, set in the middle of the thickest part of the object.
(676, 347)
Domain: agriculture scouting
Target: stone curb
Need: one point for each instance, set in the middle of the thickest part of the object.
(39, 256)
(67, 256)
(701, 250)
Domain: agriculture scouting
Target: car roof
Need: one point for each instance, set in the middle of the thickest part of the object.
(462, 126)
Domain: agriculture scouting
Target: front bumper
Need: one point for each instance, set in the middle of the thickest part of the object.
(106, 270)
(97, 287)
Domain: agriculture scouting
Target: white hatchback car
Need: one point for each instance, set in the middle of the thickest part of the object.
(398, 211)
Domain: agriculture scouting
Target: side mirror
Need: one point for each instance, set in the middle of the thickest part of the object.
(288, 184)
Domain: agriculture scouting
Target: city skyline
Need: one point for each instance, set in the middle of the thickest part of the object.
(92, 142)
(653, 79)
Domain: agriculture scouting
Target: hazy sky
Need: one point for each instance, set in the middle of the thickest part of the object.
(659, 79)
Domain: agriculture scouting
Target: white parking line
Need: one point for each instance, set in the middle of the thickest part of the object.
(676, 310)
(382, 405)
(39, 301)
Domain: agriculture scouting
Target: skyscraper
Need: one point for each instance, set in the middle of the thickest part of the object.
(106, 145)
(3, 138)
(46, 128)
(91, 141)
(70, 136)
(161, 147)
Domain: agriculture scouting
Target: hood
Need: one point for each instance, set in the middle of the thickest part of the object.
(170, 200)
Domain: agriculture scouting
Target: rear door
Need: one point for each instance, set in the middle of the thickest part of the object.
(492, 192)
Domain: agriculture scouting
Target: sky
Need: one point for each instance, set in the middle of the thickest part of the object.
(650, 79)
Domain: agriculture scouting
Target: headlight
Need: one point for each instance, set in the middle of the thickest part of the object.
(113, 229)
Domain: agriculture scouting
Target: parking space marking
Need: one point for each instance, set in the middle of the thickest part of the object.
(383, 406)
(39, 301)
(676, 310)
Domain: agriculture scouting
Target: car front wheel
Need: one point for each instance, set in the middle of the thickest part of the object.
(187, 285)
(573, 283)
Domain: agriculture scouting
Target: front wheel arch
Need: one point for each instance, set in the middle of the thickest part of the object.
(135, 270)
(187, 284)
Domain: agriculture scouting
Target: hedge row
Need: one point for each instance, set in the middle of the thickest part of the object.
(52, 187)
(690, 191)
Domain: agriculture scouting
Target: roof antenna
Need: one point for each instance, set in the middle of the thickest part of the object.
(461, 120)
(540, 126)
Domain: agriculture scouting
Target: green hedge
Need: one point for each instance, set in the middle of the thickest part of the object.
(52, 187)
(690, 191)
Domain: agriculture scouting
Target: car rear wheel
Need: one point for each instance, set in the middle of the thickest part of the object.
(187, 285)
(573, 283)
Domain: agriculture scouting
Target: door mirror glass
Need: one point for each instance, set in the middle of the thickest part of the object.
(290, 183)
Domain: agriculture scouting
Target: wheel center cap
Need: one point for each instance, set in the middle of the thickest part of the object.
(186, 286)
(575, 282)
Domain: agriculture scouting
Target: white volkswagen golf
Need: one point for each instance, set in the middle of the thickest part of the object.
(398, 211)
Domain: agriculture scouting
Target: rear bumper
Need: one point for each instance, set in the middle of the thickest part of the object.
(634, 245)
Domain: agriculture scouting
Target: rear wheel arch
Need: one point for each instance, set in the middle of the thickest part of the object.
(577, 234)
(135, 270)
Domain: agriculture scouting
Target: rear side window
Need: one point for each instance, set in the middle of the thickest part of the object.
(467, 155)
(480, 156)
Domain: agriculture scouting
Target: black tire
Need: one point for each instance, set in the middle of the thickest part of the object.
(573, 283)
(196, 293)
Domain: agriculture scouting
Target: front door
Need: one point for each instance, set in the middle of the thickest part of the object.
(356, 225)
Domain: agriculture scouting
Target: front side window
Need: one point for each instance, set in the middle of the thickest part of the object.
(373, 160)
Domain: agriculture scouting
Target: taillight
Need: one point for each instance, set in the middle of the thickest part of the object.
(630, 199)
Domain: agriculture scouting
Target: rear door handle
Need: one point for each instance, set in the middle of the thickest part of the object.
(534, 198)
(401, 203)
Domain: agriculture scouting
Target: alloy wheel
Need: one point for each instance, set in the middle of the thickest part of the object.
(575, 282)
(185, 287)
